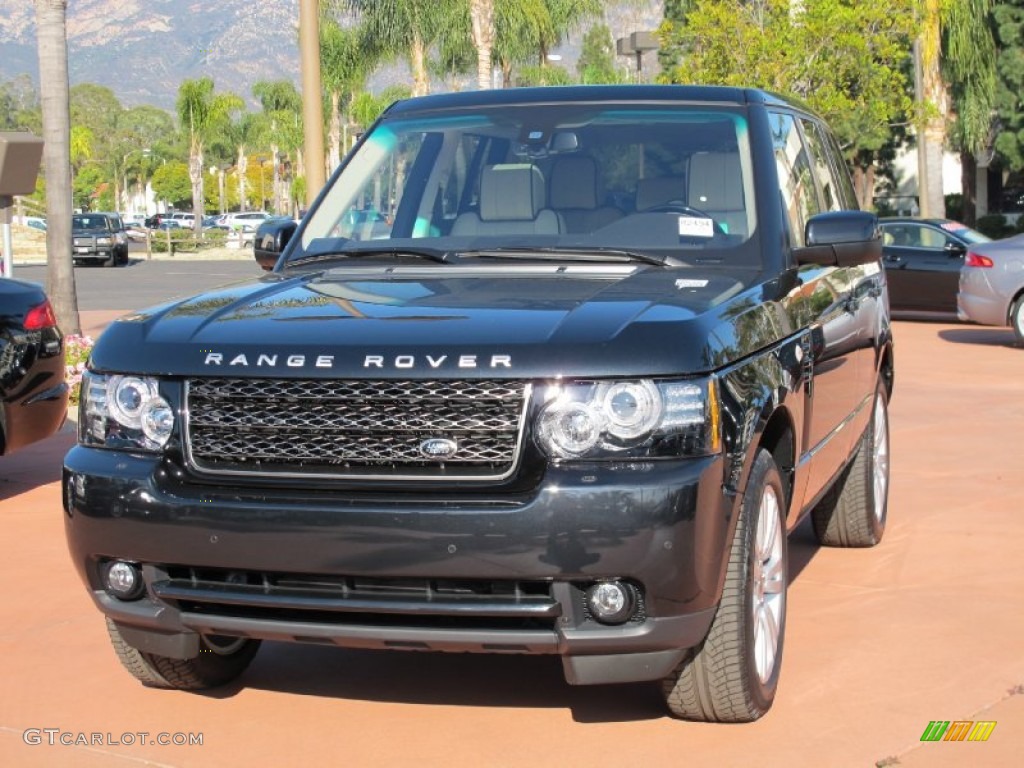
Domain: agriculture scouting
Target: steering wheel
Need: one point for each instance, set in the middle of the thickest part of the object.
(678, 206)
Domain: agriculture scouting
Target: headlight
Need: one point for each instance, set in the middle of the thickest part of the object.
(629, 419)
(124, 412)
(103, 241)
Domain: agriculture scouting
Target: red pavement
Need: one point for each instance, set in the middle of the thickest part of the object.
(928, 626)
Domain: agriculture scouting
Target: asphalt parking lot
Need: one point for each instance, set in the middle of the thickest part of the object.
(928, 626)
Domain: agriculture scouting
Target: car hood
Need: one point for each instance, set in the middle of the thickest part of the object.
(421, 322)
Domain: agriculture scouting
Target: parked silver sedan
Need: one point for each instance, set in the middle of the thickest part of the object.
(992, 285)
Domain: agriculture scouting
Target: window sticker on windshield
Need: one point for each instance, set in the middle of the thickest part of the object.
(953, 226)
(693, 226)
(683, 283)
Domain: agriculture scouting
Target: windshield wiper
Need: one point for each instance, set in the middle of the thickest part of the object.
(566, 254)
(431, 254)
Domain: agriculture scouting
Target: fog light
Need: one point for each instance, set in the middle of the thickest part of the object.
(611, 602)
(122, 580)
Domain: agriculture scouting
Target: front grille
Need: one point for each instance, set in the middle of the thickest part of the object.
(355, 429)
(324, 599)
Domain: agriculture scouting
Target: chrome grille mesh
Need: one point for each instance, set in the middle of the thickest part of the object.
(353, 428)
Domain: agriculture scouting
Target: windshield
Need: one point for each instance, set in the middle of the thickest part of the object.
(660, 181)
(89, 222)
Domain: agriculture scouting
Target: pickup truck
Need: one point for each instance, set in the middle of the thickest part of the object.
(603, 348)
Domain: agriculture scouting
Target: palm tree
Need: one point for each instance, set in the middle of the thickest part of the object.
(407, 27)
(956, 76)
(346, 60)
(51, 23)
(279, 127)
(202, 112)
(527, 30)
(970, 70)
(481, 14)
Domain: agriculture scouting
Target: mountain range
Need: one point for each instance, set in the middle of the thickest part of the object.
(143, 49)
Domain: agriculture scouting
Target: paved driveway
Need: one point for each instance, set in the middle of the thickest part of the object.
(928, 626)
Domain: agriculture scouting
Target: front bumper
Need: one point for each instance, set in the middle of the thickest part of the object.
(455, 571)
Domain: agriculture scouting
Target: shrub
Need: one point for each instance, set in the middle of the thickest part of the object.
(76, 355)
(185, 240)
(994, 225)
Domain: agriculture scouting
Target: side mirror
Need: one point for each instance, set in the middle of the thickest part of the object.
(841, 239)
(271, 238)
(954, 250)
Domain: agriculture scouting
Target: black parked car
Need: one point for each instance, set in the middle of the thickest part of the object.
(33, 391)
(523, 419)
(922, 259)
(98, 238)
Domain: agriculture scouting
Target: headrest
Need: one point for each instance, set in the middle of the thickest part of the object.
(716, 183)
(574, 182)
(511, 192)
(650, 193)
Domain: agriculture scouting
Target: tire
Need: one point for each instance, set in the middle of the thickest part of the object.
(220, 661)
(111, 260)
(853, 511)
(1017, 319)
(733, 675)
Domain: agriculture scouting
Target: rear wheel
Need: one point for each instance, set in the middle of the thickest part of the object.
(220, 660)
(853, 512)
(1017, 319)
(732, 676)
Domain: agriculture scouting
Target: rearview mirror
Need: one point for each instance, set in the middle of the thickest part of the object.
(271, 238)
(840, 239)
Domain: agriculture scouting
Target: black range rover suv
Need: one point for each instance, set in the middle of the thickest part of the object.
(602, 348)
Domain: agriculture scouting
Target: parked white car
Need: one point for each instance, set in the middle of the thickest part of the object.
(238, 218)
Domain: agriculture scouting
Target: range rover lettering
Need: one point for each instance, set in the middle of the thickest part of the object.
(601, 350)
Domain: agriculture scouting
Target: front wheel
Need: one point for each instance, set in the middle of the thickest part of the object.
(220, 661)
(853, 511)
(733, 675)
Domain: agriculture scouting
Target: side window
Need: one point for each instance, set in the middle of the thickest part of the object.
(796, 182)
(927, 237)
(823, 169)
(845, 183)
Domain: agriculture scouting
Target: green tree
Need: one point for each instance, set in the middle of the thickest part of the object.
(670, 53)
(173, 184)
(202, 113)
(19, 105)
(597, 57)
(142, 142)
(80, 147)
(846, 60)
(1008, 17)
(52, 46)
